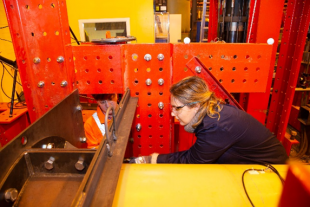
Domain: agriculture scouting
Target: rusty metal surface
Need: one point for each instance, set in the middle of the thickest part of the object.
(212, 83)
(98, 68)
(291, 52)
(40, 29)
(155, 134)
(248, 72)
(56, 122)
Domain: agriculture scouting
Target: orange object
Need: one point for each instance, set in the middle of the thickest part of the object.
(108, 34)
(92, 131)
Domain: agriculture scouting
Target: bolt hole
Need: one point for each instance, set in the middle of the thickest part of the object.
(161, 136)
(235, 56)
(247, 56)
(136, 70)
(161, 115)
(134, 57)
(48, 59)
(185, 56)
(88, 82)
(210, 68)
(86, 70)
(234, 68)
(223, 56)
(99, 70)
(53, 83)
(161, 126)
(246, 69)
(136, 82)
(149, 93)
(40, 6)
(138, 115)
(210, 56)
(161, 93)
(161, 69)
(11, 6)
(27, 7)
(110, 57)
(137, 93)
(150, 115)
(244, 80)
(112, 82)
(259, 57)
(150, 126)
(139, 136)
(139, 146)
(111, 70)
(148, 70)
(232, 80)
(221, 69)
(257, 69)
(220, 80)
(255, 81)
(52, 5)
(185, 69)
(85, 58)
(32, 34)
(100, 81)
(98, 58)
(44, 34)
(161, 146)
(150, 146)
(57, 33)
(149, 104)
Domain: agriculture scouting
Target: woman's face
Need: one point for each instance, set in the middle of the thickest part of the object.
(105, 104)
(184, 114)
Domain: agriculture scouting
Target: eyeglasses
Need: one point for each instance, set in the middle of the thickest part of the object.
(178, 108)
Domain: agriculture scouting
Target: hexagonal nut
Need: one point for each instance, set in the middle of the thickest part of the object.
(10, 195)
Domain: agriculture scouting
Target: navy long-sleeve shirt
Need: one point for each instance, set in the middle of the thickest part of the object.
(236, 138)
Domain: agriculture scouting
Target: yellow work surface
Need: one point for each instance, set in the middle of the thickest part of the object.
(196, 185)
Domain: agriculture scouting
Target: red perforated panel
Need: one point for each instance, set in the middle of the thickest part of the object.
(98, 68)
(40, 29)
(239, 67)
(155, 133)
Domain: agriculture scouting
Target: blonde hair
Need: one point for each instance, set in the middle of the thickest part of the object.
(194, 89)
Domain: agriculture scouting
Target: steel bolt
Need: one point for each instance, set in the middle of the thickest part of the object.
(138, 127)
(36, 60)
(41, 84)
(79, 165)
(161, 81)
(198, 69)
(148, 82)
(49, 164)
(131, 140)
(60, 59)
(63, 83)
(10, 195)
(79, 107)
(161, 105)
(109, 151)
(160, 57)
(83, 139)
(147, 57)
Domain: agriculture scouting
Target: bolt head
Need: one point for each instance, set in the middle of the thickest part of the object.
(161, 81)
(41, 84)
(198, 69)
(79, 107)
(63, 83)
(147, 57)
(138, 127)
(36, 60)
(161, 105)
(79, 165)
(160, 57)
(60, 59)
(10, 195)
(83, 139)
(148, 82)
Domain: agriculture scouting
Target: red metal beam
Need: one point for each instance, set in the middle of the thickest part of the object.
(213, 20)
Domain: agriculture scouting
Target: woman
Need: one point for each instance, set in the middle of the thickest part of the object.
(225, 134)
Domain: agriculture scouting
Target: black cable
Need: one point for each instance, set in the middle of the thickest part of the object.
(268, 167)
(24, 105)
(74, 36)
(9, 72)
(5, 40)
(4, 27)
(2, 83)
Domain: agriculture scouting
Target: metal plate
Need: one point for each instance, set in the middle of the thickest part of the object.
(113, 40)
(98, 69)
(239, 67)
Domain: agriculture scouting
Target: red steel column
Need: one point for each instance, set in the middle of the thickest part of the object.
(213, 19)
(41, 36)
(268, 26)
(291, 52)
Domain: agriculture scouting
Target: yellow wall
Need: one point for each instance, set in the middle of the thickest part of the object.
(7, 51)
(140, 13)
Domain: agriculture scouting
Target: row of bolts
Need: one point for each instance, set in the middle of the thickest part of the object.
(64, 83)
(11, 194)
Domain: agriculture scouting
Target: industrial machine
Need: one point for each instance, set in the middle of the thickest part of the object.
(50, 152)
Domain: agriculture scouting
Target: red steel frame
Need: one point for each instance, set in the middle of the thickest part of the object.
(291, 52)
(213, 19)
(40, 29)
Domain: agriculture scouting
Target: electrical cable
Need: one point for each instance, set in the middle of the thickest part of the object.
(2, 83)
(9, 72)
(5, 40)
(266, 169)
(24, 105)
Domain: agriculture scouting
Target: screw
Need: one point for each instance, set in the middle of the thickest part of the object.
(49, 164)
(79, 107)
(198, 69)
(161, 105)
(10, 195)
(161, 81)
(63, 83)
(138, 127)
(36, 60)
(83, 139)
(79, 165)
(160, 57)
(148, 82)
(147, 57)
(60, 59)
(41, 84)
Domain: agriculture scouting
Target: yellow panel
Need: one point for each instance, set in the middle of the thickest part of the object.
(140, 12)
(196, 185)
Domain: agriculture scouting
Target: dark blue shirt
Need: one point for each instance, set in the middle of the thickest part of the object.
(236, 138)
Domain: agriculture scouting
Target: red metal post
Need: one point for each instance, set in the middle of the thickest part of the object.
(41, 36)
(291, 52)
(268, 26)
(213, 20)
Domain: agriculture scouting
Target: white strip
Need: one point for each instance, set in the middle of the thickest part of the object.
(252, 21)
(100, 126)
